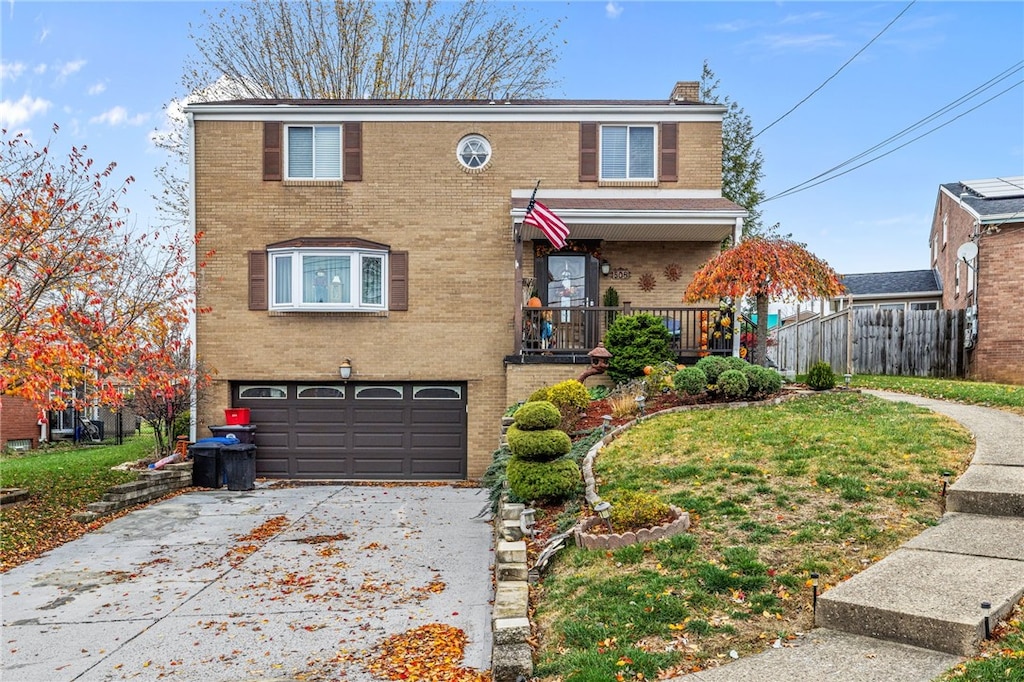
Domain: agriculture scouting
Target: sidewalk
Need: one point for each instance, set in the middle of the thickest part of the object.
(916, 613)
(269, 584)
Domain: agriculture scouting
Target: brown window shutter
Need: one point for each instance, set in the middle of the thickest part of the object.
(668, 171)
(588, 152)
(398, 281)
(257, 280)
(353, 151)
(272, 150)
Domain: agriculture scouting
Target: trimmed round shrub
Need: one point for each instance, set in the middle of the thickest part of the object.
(820, 376)
(732, 383)
(690, 381)
(762, 380)
(538, 416)
(712, 366)
(733, 362)
(633, 510)
(636, 341)
(548, 481)
(569, 394)
(538, 446)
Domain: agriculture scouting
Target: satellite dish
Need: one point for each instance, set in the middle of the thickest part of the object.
(968, 251)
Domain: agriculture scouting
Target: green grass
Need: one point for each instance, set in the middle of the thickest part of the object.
(1003, 396)
(828, 483)
(60, 481)
(1001, 658)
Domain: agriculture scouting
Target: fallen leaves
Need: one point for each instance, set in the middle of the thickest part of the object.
(429, 653)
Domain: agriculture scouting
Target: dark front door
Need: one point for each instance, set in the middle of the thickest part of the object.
(569, 281)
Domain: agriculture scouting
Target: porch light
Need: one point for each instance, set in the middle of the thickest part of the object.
(641, 403)
(985, 608)
(604, 510)
(527, 518)
(606, 424)
(606, 267)
(345, 368)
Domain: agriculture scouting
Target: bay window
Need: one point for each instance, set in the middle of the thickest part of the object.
(327, 279)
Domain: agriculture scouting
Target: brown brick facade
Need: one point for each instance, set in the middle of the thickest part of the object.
(996, 289)
(18, 421)
(457, 229)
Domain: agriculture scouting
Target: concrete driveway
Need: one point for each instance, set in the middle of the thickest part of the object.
(269, 584)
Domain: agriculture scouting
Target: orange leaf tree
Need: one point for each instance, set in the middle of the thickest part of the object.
(767, 268)
(85, 303)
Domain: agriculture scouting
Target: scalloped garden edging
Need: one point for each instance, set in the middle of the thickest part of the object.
(588, 540)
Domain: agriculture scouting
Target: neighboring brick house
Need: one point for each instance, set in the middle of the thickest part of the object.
(19, 423)
(388, 236)
(901, 290)
(977, 248)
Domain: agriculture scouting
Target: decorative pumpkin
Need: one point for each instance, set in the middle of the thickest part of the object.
(648, 369)
(534, 302)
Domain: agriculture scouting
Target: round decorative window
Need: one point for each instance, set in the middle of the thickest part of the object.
(474, 151)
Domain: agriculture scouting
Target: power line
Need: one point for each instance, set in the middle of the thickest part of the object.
(807, 184)
(848, 61)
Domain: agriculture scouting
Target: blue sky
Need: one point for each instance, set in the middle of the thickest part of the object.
(103, 71)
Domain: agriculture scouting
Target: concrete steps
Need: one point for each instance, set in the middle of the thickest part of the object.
(929, 592)
(994, 489)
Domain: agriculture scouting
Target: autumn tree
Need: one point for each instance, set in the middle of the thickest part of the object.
(742, 162)
(766, 268)
(85, 301)
(357, 49)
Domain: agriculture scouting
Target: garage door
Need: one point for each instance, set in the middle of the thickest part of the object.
(357, 431)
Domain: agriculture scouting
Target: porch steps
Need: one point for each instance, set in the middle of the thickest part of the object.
(929, 592)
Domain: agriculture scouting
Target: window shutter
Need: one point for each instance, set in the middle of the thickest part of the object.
(272, 150)
(257, 280)
(398, 283)
(588, 152)
(353, 151)
(668, 170)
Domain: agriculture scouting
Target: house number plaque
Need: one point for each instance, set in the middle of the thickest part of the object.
(619, 273)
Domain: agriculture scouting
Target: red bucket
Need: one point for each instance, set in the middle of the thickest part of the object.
(236, 416)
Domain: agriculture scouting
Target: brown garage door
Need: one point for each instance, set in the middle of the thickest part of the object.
(386, 431)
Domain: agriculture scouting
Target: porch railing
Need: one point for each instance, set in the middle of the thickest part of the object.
(553, 330)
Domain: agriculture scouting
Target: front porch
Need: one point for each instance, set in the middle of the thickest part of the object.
(559, 335)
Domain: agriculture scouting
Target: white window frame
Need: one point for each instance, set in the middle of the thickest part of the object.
(355, 280)
(629, 176)
(314, 176)
(478, 150)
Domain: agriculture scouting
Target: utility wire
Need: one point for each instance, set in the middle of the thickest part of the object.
(848, 61)
(807, 184)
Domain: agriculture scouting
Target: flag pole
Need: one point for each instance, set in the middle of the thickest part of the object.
(533, 199)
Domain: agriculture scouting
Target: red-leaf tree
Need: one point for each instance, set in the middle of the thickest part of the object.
(85, 301)
(767, 268)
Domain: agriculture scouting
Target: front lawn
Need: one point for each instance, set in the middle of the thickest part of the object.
(825, 484)
(60, 481)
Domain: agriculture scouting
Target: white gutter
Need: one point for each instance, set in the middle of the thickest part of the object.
(630, 217)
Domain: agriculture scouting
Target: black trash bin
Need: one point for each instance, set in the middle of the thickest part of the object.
(206, 463)
(245, 434)
(239, 466)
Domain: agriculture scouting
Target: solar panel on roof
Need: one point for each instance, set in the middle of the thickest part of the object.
(996, 188)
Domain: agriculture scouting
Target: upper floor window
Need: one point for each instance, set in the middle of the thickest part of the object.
(328, 279)
(314, 152)
(627, 152)
(474, 151)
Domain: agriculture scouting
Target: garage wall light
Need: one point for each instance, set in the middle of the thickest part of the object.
(345, 368)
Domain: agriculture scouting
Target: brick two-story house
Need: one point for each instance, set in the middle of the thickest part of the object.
(388, 236)
(977, 248)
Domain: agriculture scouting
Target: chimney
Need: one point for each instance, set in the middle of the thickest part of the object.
(686, 91)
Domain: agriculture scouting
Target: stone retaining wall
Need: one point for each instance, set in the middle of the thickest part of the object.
(150, 485)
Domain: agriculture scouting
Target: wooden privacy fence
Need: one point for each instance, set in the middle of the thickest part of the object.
(926, 343)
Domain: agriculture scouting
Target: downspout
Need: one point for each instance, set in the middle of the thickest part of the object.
(194, 313)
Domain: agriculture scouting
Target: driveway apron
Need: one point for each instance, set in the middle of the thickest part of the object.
(278, 583)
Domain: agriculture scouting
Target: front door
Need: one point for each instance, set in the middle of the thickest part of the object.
(571, 285)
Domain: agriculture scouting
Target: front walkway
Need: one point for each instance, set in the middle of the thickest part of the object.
(266, 584)
(916, 613)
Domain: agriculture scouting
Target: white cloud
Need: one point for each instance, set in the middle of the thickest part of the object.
(15, 113)
(11, 70)
(39, 69)
(613, 10)
(119, 116)
(800, 42)
(70, 68)
(97, 88)
(43, 35)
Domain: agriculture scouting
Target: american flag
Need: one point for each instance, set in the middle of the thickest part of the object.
(541, 217)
